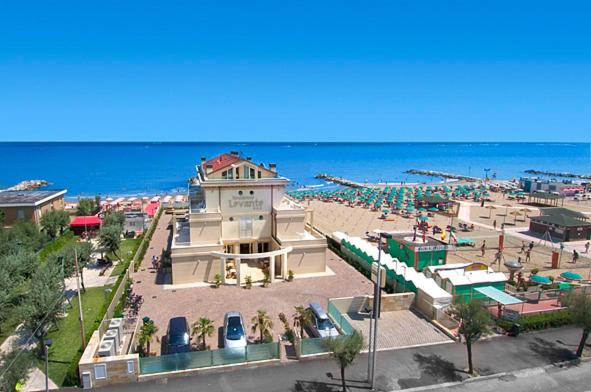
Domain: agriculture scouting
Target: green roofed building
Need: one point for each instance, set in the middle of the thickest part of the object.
(562, 224)
(418, 254)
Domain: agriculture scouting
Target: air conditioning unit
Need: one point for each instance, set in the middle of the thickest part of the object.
(113, 334)
(117, 323)
(106, 348)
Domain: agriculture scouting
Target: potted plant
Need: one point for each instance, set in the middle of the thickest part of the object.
(248, 282)
(217, 280)
(289, 275)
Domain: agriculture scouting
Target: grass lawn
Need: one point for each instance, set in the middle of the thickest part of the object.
(128, 248)
(66, 338)
(56, 245)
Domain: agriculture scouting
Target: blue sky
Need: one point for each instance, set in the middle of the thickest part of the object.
(295, 71)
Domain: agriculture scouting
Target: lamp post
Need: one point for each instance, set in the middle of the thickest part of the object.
(47, 343)
(376, 308)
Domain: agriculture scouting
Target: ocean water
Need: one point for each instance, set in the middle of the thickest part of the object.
(146, 168)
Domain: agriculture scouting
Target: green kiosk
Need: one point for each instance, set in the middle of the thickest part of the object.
(418, 251)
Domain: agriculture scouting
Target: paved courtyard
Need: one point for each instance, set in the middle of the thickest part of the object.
(161, 304)
(400, 329)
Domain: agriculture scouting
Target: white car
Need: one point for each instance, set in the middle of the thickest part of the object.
(234, 335)
(321, 324)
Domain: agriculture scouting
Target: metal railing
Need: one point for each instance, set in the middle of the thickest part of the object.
(339, 319)
(204, 359)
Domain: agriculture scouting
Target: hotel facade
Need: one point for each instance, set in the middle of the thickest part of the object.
(239, 225)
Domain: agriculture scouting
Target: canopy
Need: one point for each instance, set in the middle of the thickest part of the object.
(498, 295)
(571, 275)
(540, 279)
(82, 221)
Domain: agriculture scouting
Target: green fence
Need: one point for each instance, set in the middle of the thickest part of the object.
(313, 346)
(339, 319)
(202, 359)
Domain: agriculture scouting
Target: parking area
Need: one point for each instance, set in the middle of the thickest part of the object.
(162, 304)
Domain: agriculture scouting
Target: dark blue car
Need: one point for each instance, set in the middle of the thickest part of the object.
(178, 338)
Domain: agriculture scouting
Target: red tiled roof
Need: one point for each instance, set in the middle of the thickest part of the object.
(221, 161)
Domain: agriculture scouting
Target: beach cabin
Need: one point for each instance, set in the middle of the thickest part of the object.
(561, 223)
(462, 280)
(416, 252)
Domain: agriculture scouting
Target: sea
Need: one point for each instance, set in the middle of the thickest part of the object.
(150, 168)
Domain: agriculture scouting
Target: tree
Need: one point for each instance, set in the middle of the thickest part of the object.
(15, 269)
(475, 321)
(110, 239)
(43, 302)
(14, 367)
(2, 219)
(263, 323)
(21, 235)
(579, 305)
(54, 222)
(344, 349)
(86, 207)
(202, 328)
(114, 218)
(147, 332)
(65, 260)
(302, 318)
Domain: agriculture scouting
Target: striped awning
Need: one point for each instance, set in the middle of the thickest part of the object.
(498, 295)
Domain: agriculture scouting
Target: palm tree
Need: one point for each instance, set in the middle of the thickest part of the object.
(262, 322)
(302, 319)
(202, 328)
(579, 305)
(344, 350)
(475, 321)
(147, 332)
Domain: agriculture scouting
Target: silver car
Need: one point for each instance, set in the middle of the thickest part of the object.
(234, 335)
(321, 324)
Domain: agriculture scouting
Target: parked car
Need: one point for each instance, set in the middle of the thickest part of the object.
(178, 338)
(234, 335)
(321, 324)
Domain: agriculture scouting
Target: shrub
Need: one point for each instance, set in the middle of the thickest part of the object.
(248, 282)
(539, 321)
(535, 271)
(289, 275)
(217, 280)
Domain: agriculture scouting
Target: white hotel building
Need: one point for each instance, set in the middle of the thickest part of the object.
(240, 224)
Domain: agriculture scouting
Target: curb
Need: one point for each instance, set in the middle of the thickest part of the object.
(516, 373)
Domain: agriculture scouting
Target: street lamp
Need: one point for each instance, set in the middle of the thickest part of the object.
(376, 309)
(47, 343)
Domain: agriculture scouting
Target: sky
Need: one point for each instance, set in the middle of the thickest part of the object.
(295, 70)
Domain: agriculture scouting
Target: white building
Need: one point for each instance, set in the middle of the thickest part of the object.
(239, 224)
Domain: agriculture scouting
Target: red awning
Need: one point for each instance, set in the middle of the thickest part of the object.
(85, 221)
(152, 208)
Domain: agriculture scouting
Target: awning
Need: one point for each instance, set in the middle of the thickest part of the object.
(82, 221)
(498, 295)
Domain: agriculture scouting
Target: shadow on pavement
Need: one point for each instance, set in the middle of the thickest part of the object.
(316, 386)
(551, 350)
(434, 370)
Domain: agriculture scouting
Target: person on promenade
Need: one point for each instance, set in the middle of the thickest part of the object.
(531, 245)
(483, 248)
(522, 250)
(575, 256)
(154, 261)
(495, 224)
(587, 247)
(527, 256)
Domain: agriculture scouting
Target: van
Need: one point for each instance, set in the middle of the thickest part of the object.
(321, 326)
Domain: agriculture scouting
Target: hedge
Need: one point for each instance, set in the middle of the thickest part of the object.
(540, 321)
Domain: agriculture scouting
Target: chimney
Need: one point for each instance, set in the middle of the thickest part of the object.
(234, 153)
(273, 167)
(208, 168)
(249, 159)
(203, 159)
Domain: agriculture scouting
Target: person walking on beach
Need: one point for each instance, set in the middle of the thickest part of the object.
(531, 245)
(522, 250)
(527, 256)
(587, 247)
(154, 261)
(483, 248)
(575, 256)
(482, 202)
(495, 224)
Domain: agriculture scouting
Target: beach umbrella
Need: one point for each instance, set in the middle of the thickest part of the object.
(515, 215)
(386, 210)
(422, 209)
(540, 279)
(506, 205)
(423, 218)
(490, 208)
(571, 275)
(564, 286)
(433, 209)
(526, 211)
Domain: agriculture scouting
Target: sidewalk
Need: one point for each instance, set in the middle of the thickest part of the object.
(397, 369)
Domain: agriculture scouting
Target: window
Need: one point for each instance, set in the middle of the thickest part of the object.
(246, 227)
(237, 173)
(246, 172)
(240, 193)
(225, 174)
(100, 372)
(259, 174)
(251, 192)
(230, 174)
(251, 172)
(20, 214)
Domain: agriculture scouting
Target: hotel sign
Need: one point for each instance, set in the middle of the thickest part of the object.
(245, 202)
(434, 248)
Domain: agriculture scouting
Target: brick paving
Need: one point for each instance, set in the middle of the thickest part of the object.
(399, 329)
(161, 305)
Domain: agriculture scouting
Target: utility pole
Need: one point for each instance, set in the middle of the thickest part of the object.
(376, 308)
(81, 315)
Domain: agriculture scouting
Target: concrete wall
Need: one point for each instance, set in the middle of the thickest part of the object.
(31, 213)
(395, 302)
(290, 224)
(205, 229)
(119, 369)
(198, 268)
(306, 260)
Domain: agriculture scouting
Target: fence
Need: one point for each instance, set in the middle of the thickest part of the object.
(340, 320)
(203, 359)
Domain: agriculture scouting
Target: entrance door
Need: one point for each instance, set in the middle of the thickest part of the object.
(244, 249)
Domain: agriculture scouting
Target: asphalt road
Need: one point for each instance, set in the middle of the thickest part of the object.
(398, 369)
